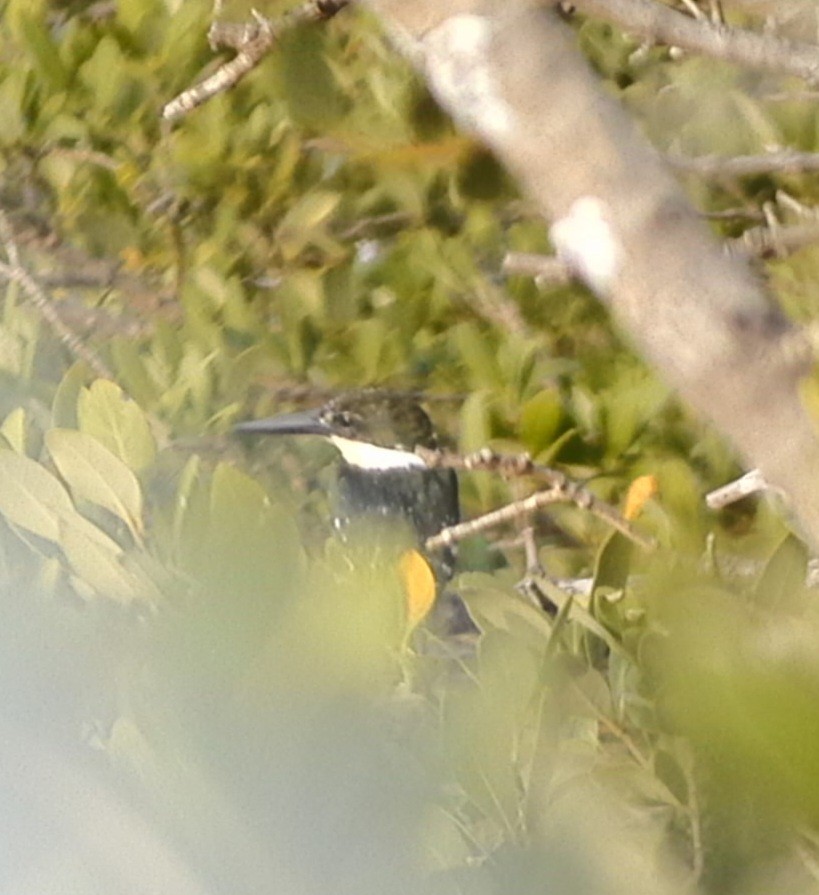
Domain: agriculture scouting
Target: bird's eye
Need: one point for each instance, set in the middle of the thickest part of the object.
(345, 419)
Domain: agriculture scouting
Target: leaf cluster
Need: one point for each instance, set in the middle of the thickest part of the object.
(179, 606)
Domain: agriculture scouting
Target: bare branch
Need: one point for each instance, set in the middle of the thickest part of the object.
(497, 309)
(768, 241)
(775, 241)
(89, 156)
(545, 268)
(252, 43)
(751, 483)
(658, 23)
(561, 490)
(733, 214)
(15, 272)
(784, 161)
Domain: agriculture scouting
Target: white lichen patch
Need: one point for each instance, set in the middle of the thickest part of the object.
(457, 62)
(586, 242)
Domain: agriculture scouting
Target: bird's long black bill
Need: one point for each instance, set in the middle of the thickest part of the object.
(303, 423)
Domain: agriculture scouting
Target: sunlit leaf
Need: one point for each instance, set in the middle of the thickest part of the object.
(98, 561)
(64, 405)
(491, 607)
(94, 474)
(117, 422)
(782, 584)
(31, 497)
(540, 418)
(13, 429)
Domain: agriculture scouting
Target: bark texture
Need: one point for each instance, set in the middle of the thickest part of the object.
(512, 74)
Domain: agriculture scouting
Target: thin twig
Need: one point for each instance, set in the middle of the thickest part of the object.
(15, 272)
(378, 222)
(544, 268)
(619, 733)
(79, 154)
(775, 241)
(655, 22)
(770, 241)
(252, 43)
(733, 214)
(496, 308)
(751, 483)
(561, 490)
(694, 823)
(782, 161)
(806, 848)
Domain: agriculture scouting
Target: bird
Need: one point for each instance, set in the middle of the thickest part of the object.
(381, 479)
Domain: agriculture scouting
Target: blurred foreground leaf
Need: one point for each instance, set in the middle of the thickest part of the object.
(94, 474)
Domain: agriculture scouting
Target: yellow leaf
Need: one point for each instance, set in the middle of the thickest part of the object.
(641, 490)
(419, 585)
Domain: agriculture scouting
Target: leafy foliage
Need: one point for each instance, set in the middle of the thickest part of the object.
(250, 682)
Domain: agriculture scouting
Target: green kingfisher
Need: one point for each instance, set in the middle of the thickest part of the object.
(382, 479)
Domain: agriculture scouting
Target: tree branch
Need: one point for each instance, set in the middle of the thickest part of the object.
(15, 272)
(512, 75)
(657, 23)
(561, 489)
(252, 43)
(785, 161)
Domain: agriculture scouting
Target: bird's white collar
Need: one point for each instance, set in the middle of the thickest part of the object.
(371, 456)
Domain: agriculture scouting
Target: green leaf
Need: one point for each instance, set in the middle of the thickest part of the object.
(613, 563)
(235, 495)
(305, 222)
(540, 419)
(31, 497)
(64, 405)
(12, 114)
(476, 422)
(13, 430)
(309, 88)
(371, 340)
(782, 582)
(477, 354)
(131, 370)
(190, 525)
(117, 422)
(41, 47)
(629, 406)
(187, 481)
(495, 608)
(105, 75)
(132, 13)
(94, 474)
(611, 571)
(98, 561)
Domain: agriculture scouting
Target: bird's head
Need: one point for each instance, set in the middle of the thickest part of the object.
(372, 429)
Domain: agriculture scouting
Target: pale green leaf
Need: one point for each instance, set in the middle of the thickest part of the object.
(31, 497)
(13, 429)
(235, 494)
(97, 560)
(495, 608)
(94, 474)
(475, 422)
(113, 419)
(299, 225)
(540, 419)
(12, 106)
(64, 405)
